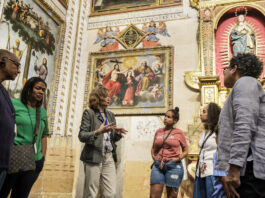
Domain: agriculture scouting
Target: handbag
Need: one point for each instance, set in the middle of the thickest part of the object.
(22, 156)
(162, 145)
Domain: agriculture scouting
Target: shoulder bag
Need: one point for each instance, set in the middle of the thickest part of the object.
(162, 145)
(22, 156)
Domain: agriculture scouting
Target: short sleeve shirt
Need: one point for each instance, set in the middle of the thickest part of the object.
(26, 122)
(172, 146)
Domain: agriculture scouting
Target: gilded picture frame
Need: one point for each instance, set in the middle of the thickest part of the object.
(103, 7)
(139, 80)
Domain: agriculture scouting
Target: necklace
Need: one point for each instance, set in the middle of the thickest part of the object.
(30, 119)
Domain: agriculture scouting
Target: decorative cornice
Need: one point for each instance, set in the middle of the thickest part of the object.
(172, 13)
(202, 4)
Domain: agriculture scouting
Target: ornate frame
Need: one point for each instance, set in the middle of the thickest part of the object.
(167, 52)
(130, 37)
(132, 7)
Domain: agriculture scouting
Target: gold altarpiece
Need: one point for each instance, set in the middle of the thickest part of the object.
(210, 13)
(208, 79)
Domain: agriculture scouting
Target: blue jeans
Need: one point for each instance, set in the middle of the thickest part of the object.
(203, 187)
(2, 177)
(171, 175)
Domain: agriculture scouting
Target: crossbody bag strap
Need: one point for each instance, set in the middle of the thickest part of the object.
(162, 145)
(37, 125)
(201, 150)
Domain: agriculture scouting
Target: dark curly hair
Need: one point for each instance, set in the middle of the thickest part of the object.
(213, 117)
(176, 113)
(27, 90)
(247, 64)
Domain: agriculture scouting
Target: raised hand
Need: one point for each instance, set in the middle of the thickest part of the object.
(120, 131)
(105, 128)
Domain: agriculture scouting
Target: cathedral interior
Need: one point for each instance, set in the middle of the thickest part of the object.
(78, 44)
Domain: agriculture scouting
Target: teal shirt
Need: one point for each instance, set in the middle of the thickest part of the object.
(26, 125)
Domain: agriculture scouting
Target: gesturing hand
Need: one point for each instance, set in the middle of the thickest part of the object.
(120, 131)
(105, 128)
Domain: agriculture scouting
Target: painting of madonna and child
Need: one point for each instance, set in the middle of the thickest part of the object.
(138, 82)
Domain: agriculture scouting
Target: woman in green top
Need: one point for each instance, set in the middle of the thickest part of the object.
(25, 108)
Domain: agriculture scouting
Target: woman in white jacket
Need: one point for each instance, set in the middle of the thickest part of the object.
(203, 186)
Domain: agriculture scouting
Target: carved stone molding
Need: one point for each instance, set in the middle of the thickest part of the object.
(207, 47)
(162, 14)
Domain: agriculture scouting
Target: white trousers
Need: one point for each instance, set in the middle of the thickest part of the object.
(104, 173)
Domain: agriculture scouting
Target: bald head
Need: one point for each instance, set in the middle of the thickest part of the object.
(9, 67)
(6, 53)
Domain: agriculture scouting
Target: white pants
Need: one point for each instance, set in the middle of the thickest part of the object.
(105, 173)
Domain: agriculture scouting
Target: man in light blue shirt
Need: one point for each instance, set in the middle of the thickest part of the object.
(241, 139)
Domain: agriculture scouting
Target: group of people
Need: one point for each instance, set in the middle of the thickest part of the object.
(233, 165)
(22, 122)
(231, 161)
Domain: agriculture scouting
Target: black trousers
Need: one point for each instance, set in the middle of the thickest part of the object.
(251, 187)
(21, 183)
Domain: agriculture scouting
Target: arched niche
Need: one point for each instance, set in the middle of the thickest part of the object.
(226, 21)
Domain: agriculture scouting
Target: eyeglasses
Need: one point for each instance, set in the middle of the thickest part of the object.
(14, 62)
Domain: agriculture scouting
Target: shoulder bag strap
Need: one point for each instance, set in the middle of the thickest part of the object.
(201, 151)
(37, 124)
(162, 145)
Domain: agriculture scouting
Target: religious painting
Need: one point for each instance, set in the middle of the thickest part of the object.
(151, 31)
(240, 30)
(99, 7)
(32, 34)
(139, 81)
(106, 38)
(148, 34)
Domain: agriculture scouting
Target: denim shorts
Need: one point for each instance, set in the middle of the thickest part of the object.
(171, 175)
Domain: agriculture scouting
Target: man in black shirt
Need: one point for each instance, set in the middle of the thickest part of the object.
(9, 69)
